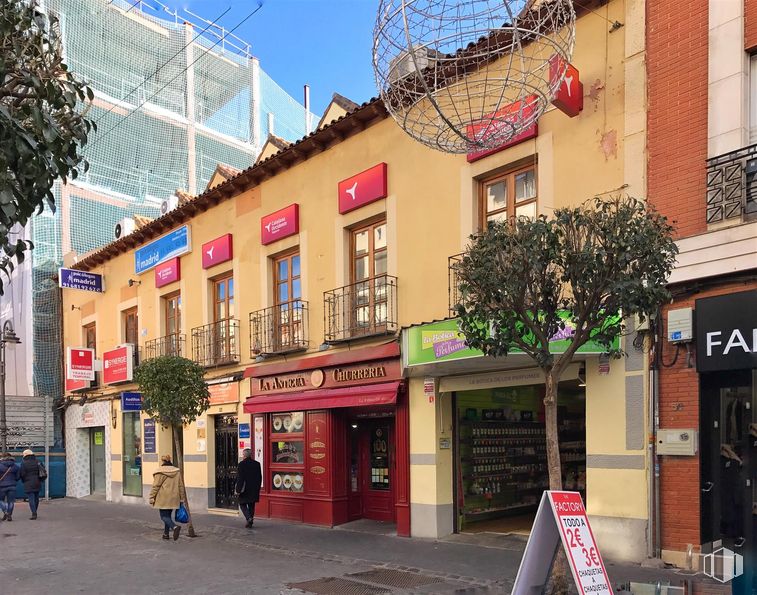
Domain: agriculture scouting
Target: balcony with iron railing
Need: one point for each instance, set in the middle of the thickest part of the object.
(363, 309)
(732, 186)
(216, 344)
(175, 344)
(280, 329)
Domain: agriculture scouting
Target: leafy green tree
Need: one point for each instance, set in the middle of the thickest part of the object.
(174, 393)
(42, 124)
(586, 269)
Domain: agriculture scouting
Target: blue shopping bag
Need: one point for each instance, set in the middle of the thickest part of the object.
(181, 516)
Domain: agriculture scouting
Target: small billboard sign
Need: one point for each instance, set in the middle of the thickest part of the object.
(80, 363)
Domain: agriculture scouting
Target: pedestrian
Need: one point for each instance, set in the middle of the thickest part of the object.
(249, 479)
(166, 495)
(32, 473)
(9, 471)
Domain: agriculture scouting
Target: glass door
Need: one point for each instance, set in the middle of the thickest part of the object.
(729, 454)
(97, 460)
(378, 471)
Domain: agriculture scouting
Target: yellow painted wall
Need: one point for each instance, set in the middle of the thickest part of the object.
(430, 211)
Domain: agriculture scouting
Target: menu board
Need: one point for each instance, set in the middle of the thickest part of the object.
(317, 460)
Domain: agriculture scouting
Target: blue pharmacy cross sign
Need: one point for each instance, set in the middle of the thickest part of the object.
(244, 431)
(73, 279)
(131, 401)
(164, 248)
(149, 443)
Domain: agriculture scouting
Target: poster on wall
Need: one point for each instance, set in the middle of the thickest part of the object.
(258, 446)
(317, 463)
(149, 438)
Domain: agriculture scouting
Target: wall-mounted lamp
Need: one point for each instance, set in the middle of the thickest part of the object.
(133, 282)
(354, 426)
(324, 346)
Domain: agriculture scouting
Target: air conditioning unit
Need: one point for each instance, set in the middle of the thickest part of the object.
(169, 204)
(124, 227)
(403, 65)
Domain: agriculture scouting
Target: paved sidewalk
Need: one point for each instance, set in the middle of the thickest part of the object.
(88, 546)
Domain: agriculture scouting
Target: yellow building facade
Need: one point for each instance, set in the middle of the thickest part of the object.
(306, 311)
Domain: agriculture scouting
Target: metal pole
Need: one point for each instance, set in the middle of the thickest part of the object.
(47, 447)
(3, 420)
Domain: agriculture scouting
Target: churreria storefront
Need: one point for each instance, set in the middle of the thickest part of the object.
(331, 433)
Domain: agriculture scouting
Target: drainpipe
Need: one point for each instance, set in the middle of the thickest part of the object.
(307, 109)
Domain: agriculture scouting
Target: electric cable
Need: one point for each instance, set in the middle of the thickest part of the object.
(162, 66)
(127, 116)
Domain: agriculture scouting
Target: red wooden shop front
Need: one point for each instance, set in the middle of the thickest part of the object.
(332, 435)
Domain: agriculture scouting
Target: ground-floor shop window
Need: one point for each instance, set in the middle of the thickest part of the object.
(501, 453)
(287, 466)
(132, 456)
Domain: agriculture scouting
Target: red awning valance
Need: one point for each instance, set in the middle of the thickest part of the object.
(384, 393)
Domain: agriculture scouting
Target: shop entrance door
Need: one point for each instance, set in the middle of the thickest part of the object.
(226, 460)
(372, 471)
(97, 460)
(729, 459)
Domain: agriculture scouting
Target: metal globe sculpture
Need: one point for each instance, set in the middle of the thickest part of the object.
(470, 75)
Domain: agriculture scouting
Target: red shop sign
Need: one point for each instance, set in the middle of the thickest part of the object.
(570, 96)
(118, 364)
(80, 363)
(502, 117)
(281, 224)
(74, 385)
(216, 251)
(167, 272)
(363, 188)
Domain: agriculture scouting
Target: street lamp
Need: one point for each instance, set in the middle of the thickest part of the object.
(8, 335)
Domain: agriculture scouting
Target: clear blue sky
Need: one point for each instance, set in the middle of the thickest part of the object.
(325, 43)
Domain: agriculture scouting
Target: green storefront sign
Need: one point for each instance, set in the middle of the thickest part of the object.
(443, 342)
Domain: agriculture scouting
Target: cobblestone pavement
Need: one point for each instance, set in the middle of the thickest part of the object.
(91, 546)
(86, 546)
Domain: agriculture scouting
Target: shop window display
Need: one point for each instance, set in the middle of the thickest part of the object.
(502, 460)
(287, 468)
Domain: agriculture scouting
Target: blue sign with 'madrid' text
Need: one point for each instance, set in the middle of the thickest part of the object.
(131, 401)
(73, 279)
(244, 431)
(164, 248)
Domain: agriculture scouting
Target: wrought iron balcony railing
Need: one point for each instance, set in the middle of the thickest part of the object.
(453, 282)
(216, 344)
(362, 309)
(280, 329)
(175, 344)
(732, 185)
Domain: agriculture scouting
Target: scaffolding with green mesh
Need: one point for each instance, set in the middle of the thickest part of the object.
(175, 95)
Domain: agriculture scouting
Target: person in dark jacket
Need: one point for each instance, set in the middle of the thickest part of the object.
(31, 474)
(249, 480)
(9, 471)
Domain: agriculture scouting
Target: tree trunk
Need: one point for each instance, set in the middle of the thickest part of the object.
(558, 583)
(180, 457)
(553, 439)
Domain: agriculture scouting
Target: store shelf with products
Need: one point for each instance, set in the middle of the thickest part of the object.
(503, 465)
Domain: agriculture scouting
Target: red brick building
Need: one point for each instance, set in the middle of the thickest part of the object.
(702, 174)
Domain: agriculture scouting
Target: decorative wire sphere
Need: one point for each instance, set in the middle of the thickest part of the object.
(470, 75)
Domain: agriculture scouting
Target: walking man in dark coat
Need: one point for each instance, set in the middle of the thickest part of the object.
(249, 479)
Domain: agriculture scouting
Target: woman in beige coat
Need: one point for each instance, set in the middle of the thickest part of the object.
(166, 494)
